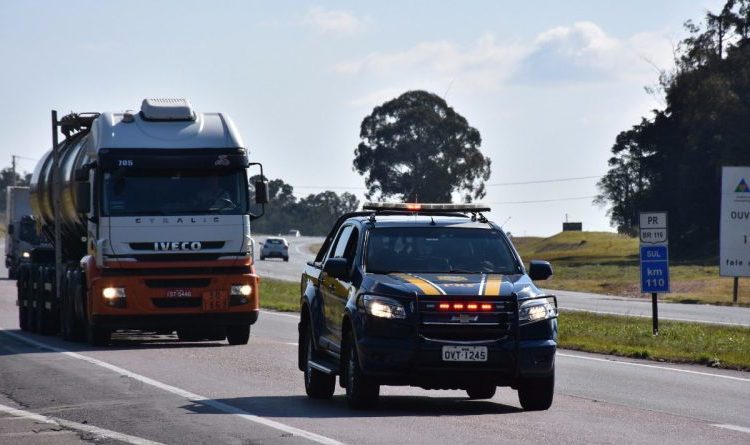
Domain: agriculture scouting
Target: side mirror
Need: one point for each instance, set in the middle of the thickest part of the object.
(337, 268)
(10, 229)
(261, 192)
(540, 270)
(81, 174)
(83, 197)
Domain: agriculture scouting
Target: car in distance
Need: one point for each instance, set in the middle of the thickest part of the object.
(294, 232)
(275, 247)
(427, 295)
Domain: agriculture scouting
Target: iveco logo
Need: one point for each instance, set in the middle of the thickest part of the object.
(178, 245)
(465, 318)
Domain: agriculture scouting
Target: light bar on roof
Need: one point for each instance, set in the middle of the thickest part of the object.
(424, 207)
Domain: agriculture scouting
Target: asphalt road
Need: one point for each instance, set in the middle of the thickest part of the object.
(152, 388)
(300, 253)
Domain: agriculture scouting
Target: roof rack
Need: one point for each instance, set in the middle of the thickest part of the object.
(475, 209)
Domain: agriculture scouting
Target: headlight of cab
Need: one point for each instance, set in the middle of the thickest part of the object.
(383, 307)
(538, 309)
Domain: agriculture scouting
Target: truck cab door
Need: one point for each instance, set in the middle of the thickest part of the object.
(335, 291)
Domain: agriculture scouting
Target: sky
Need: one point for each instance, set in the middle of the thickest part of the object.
(549, 84)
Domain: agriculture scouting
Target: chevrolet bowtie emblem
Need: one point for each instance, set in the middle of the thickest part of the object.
(464, 318)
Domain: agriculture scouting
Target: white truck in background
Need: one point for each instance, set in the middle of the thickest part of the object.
(22, 235)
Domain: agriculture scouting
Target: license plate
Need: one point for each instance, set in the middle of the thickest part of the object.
(464, 353)
(215, 300)
(179, 293)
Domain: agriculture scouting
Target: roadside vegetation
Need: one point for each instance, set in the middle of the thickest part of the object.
(607, 263)
(718, 346)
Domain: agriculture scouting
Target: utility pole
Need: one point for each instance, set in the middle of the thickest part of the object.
(13, 167)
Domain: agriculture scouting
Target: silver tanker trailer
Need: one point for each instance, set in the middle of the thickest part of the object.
(153, 227)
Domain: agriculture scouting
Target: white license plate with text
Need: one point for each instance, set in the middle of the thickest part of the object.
(464, 353)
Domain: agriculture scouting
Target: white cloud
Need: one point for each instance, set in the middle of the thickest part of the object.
(329, 21)
(580, 53)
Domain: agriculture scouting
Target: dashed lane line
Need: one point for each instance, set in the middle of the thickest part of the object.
(220, 406)
(95, 430)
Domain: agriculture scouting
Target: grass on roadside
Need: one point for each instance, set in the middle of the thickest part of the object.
(719, 346)
(726, 347)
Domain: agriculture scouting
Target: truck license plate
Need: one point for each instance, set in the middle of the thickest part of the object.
(464, 353)
(179, 293)
(215, 300)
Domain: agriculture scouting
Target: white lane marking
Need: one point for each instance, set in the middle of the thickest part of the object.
(291, 344)
(741, 429)
(622, 314)
(664, 368)
(280, 314)
(99, 432)
(229, 409)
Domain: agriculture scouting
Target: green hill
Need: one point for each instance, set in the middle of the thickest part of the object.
(579, 248)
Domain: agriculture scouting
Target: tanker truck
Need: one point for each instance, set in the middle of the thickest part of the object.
(149, 216)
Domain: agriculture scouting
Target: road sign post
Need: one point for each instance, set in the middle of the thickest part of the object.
(734, 236)
(654, 259)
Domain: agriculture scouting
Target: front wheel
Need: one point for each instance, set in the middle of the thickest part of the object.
(318, 385)
(535, 394)
(98, 336)
(238, 335)
(361, 391)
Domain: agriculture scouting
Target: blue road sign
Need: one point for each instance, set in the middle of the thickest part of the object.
(654, 253)
(654, 276)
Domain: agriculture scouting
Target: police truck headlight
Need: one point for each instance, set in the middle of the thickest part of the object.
(535, 310)
(26, 255)
(383, 307)
(242, 290)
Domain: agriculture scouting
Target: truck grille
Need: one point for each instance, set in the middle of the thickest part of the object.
(465, 324)
(174, 283)
(165, 303)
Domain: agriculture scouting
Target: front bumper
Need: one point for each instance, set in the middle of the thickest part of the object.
(174, 321)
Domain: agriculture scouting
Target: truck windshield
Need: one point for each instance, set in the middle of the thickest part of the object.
(29, 234)
(438, 250)
(162, 192)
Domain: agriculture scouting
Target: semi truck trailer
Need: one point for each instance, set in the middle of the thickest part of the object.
(22, 235)
(148, 213)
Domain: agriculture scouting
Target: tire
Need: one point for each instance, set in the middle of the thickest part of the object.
(98, 336)
(238, 335)
(23, 311)
(481, 391)
(12, 275)
(536, 394)
(318, 385)
(361, 391)
(71, 327)
(286, 259)
(262, 258)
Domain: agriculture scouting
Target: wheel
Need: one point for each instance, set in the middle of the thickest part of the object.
(12, 275)
(71, 327)
(481, 391)
(46, 318)
(536, 394)
(286, 258)
(361, 391)
(318, 385)
(262, 258)
(22, 310)
(238, 335)
(98, 336)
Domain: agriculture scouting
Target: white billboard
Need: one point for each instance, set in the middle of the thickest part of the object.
(735, 222)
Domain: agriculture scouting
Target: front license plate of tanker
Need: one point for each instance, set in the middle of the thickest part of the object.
(464, 353)
(215, 300)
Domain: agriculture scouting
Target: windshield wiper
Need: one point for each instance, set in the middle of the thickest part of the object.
(463, 271)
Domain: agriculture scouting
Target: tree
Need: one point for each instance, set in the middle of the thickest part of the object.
(673, 160)
(417, 148)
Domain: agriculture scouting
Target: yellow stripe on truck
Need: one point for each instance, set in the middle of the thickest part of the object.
(492, 288)
(426, 287)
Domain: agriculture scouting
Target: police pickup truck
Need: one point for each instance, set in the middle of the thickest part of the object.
(427, 295)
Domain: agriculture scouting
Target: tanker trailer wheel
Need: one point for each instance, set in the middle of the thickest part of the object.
(22, 287)
(46, 320)
(238, 335)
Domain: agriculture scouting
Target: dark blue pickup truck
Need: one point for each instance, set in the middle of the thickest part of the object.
(427, 295)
